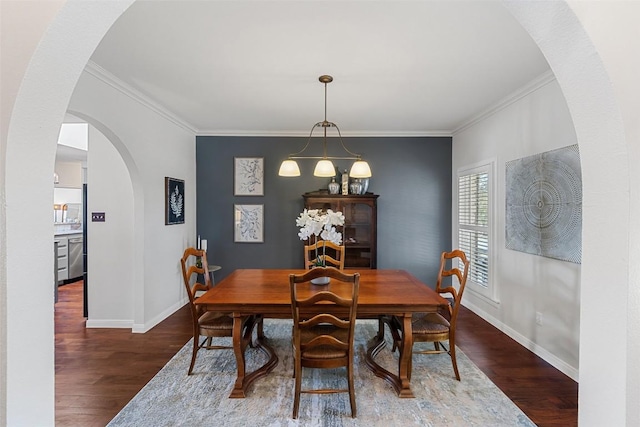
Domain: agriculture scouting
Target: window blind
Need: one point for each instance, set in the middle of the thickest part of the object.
(473, 224)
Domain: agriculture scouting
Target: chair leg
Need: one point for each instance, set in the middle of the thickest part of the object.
(259, 331)
(436, 345)
(381, 327)
(252, 342)
(294, 365)
(452, 353)
(352, 392)
(193, 354)
(394, 328)
(298, 386)
(261, 327)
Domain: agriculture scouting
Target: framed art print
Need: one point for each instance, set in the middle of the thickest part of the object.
(173, 201)
(248, 179)
(248, 223)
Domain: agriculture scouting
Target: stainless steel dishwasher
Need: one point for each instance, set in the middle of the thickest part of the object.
(75, 257)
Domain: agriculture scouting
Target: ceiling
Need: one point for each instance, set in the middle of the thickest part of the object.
(252, 67)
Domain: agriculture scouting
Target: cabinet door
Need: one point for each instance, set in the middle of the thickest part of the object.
(359, 231)
(358, 235)
(323, 204)
(63, 258)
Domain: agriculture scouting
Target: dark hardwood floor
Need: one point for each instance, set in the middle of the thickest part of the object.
(97, 371)
(546, 395)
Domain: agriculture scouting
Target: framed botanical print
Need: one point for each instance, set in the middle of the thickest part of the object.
(173, 201)
(248, 179)
(249, 223)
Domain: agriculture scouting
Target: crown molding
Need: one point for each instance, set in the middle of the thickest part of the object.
(105, 76)
(537, 83)
(349, 134)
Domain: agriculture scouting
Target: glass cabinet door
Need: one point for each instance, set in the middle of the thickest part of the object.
(359, 231)
(358, 234)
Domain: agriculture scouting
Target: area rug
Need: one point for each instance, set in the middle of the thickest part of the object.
(172, 398)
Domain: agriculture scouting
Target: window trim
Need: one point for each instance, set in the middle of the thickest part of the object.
(488, 293)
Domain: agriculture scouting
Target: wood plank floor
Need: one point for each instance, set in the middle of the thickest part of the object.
(97, 371)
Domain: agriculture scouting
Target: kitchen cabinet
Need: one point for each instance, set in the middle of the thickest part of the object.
(69, 255)
(63, 257)
(360, 224)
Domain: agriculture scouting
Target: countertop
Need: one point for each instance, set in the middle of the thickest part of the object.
(67, 232)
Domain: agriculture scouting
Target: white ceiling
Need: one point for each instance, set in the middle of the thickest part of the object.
(252, 67)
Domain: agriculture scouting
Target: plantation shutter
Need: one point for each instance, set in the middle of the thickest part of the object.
(473, 224)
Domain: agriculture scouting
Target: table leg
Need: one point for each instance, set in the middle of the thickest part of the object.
(406, 353)
(400, 382)
(242, 337)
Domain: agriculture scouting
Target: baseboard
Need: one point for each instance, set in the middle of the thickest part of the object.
(109, 323)
(539, 351)
(139, 328)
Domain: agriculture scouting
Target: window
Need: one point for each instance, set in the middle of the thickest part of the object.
(475, 218)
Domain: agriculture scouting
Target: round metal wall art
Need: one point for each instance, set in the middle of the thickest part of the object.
(544, 204)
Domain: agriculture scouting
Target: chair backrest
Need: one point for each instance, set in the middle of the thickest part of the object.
(321, 307)
(332, 254)
(191, 273)
(450, 265)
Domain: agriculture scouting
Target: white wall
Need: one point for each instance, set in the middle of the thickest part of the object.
(152, 148)
(613, 29)
(37, 83)
(111, 257)
(30, 120)
(525, 283)
(69, 174)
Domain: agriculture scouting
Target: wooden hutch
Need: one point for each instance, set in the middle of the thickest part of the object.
(359, 233)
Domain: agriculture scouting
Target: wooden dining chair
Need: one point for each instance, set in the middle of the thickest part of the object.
(323, 328)
(438, 326)
(208, 324)
(332, 254)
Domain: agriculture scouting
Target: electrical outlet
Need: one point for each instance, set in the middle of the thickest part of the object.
(538, 318)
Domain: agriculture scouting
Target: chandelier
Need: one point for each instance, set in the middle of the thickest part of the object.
(325, 167)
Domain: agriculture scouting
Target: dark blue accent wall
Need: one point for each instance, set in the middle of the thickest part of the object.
(412, 175)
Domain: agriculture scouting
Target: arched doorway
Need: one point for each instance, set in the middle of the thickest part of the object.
(580, 74)
(113, 181)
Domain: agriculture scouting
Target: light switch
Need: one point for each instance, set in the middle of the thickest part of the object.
(97, 216)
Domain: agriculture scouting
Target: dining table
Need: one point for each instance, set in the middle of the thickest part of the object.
(266, 293)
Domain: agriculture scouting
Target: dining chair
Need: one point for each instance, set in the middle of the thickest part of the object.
(209, 324)
(439, 326)
(332, 254)
(323, 328)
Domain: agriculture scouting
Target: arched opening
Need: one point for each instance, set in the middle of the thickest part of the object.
(580, 74)
(113, 183)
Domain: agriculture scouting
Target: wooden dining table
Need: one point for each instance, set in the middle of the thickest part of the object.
(266, 292)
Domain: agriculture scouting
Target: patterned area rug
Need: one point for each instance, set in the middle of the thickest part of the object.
(172, 398)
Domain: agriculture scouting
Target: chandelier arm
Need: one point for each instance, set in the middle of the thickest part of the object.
(308, 141)
(324, 158)
(324, 124)
(343, 146)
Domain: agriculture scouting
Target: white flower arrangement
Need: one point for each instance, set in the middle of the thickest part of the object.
(315, 222)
